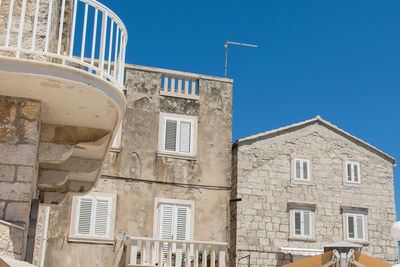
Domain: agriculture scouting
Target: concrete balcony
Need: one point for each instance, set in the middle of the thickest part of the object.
(144, 251)
(70, 56)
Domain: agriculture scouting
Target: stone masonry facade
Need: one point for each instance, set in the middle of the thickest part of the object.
(263, 179)
(138, 174)
(19, 138)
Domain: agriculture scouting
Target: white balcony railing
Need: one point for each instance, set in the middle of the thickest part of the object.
(142, 251)
(83, 34)
(179, 86)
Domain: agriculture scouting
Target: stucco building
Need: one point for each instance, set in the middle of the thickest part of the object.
(305, 186)
(169, 179)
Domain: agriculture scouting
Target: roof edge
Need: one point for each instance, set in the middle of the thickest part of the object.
(315, 120)
(178, 73)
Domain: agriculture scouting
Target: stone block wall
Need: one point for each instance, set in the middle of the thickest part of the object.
(262, 178)
(19, 138)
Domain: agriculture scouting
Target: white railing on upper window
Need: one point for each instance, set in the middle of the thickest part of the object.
(77, 33)
(178, 86)
(143, 251)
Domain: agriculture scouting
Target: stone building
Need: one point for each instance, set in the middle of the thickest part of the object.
(305, 186)
(169, 179)
(59, 111)
(82, 184)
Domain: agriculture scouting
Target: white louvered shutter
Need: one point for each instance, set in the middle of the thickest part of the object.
(349, 178)
(174, 222)
(182, 223)
(350, 227)
(355, 166)
(305, 170)
(84, 216)
(307, 223)
(166, 221)
(360, 227)
(102, 217)
(185, 136)
(297, 223)
(298, 169)
(170, 135)
(166, 226)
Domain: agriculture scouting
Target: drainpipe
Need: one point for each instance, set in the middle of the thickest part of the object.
(46, 226)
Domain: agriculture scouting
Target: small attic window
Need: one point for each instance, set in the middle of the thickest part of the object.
(301, 170)
(352, 172)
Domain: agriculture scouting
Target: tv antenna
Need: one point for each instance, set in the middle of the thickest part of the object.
(227, 43)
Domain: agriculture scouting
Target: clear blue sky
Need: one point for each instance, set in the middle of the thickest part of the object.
(338, 59)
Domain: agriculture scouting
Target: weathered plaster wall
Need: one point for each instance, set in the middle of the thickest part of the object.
(19, 138)
(139, 159)
(139, 175)
(60, 252)
(264, 182)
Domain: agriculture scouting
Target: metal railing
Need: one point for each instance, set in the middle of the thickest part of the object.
(66, 32)
(143, 251)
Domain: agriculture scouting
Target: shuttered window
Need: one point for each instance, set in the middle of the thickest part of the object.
(355, 226)
(170, 135)
(178, 134)
(93, 216)
(166, 221)
(185, 136)
(302, 169)
(84, 216)
(174, 221)
(352, 172)
(301, 223)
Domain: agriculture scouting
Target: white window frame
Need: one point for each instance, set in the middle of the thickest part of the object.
(162, 132)
(302, 211)
(157, 219)
(301, 178)
(93, 238)
(353, 166)
(355, 214)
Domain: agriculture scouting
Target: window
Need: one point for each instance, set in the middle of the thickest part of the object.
(355, 226)
(301, 222)
(177, 134)
(174, 221)
(352, 172)
(301, 170)
(93, 217)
